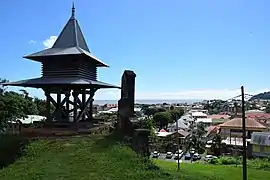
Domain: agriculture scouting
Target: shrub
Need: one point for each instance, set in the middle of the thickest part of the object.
(228, 160)
(214, 161)
(11, 147)
(259, 163)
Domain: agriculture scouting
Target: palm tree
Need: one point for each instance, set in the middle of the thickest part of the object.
(217, 145)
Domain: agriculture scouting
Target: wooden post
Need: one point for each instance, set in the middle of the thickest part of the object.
(48, 106)
(83, 102)
(67, 103)
(58, 114)
(75, 96)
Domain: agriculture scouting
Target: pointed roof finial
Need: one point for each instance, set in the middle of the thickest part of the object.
(73, 11)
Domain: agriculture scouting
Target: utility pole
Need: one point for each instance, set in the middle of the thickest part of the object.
(177, 136)
(244, 135)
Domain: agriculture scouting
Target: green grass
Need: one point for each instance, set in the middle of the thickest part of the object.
(103, 157)
(82, 158)
(197, 171)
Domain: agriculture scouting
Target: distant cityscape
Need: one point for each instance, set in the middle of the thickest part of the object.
(151, 101)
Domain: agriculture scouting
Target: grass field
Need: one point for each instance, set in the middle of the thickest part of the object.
(211, 172)
(102, 157)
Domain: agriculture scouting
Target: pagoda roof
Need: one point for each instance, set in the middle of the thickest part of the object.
(70, 42)
(44, 82)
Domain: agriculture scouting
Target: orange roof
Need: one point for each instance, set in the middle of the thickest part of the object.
(237, 123)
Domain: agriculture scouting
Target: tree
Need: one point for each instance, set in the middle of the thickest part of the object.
(176, 114)
(217, 145)
(2, 88)
(150, 111)
(162, 119)
(267, 109)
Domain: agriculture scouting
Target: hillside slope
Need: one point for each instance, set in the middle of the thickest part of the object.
(263, 96)
(93, 157)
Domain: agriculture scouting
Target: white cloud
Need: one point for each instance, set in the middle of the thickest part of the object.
(32, 42)
(48, 43)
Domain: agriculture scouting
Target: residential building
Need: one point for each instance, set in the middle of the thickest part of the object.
(260, 142)
(232, 129)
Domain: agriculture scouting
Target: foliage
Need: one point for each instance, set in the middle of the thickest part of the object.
(162, 119)
(176, 114)
(88, 157)
(217, 144)
(259, 163)
(107, 117)
(216, 106)
(11, 147)
(147, 123)
(210, 172)
(267, 109)
(264, 96)
(150, 111)
(15, 105)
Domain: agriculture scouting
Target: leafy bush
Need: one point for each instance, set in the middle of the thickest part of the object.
(11, 147)
(214, 161)
(259, 163)
(228, 160)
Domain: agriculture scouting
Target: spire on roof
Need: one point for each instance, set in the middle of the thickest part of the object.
(73, 11)
(71, 35)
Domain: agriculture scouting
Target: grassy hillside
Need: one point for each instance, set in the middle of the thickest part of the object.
(102, 157)
(93, 157)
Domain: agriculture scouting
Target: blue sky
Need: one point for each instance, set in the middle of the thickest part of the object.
(178, 49)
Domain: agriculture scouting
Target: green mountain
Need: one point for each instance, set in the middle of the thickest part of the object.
(263, 96)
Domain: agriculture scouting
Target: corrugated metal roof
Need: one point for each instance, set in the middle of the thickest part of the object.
(260, 138)
(40, 82)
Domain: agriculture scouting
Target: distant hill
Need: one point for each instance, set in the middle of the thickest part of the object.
(263, 96)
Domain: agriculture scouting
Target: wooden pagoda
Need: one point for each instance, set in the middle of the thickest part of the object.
(67, 68)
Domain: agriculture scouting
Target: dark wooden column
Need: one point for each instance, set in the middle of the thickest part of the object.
(83, 102)
(58, 113)
(48, 106)
(67, 94)
(75, 112)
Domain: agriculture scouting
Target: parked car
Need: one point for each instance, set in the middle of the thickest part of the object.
(178, 154)
(196, 157)
(209, 157)
(169, 155)
(155, 154)
(187, 156)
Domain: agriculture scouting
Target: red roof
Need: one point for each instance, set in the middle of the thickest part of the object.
(162, 130)
(237, 123)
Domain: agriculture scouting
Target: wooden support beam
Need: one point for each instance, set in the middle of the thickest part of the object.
(58, 108)
(83, 102)
(67, 94)
(89, 100)
(75, 95)
(48, 107)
